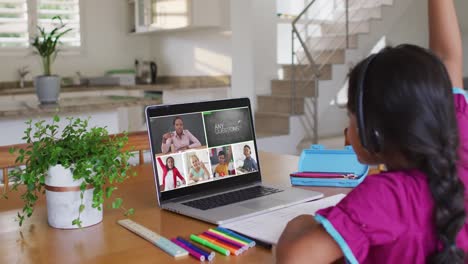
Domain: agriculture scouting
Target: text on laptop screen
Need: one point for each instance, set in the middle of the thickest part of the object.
(201, 147)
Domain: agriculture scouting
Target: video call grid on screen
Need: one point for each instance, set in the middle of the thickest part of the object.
(227, 130)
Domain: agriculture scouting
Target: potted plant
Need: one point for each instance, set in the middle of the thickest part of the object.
(76, 169)
(46, 45)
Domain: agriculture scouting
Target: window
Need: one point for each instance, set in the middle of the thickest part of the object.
(13, 23)
(68, 10)
(16, 32)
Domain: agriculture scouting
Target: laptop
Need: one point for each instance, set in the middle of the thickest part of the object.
(206, 163)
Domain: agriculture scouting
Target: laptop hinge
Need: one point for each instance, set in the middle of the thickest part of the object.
(210, 193)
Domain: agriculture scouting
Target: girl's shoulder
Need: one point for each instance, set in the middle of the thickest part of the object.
(395, 177)
(461, 100)
(394, 184)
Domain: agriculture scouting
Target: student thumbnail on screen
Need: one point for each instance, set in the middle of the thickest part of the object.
(222, 162)
(198, 167)
(170, 172)
(245, 157)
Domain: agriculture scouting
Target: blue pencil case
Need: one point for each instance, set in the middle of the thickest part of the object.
(328, 167)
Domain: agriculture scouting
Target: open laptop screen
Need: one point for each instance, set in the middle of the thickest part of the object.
(204, 148)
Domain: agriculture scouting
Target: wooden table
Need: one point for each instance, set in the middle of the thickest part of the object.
(108, 242)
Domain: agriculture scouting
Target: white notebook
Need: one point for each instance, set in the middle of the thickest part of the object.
(269, 226)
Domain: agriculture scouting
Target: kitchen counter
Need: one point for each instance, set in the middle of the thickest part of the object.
(165, 83)
(68, 89)
(31, 108)
(116, 113)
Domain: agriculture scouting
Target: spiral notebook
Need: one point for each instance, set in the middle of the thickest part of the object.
(268, 227)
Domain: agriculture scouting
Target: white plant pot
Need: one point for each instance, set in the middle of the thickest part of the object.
(47, 88)
(63, 200)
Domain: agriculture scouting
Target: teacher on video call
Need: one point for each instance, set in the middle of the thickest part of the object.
(180, 139)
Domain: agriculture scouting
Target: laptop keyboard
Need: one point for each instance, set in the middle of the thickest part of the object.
(231, 197)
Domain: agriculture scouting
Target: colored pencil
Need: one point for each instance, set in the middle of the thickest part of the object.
(229, 232)
(210, 245)
(229, 237)
(192, 252)
(226, 240)
(233, 250)
(208, 255)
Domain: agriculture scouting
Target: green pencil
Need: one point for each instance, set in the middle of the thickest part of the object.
(210, 245)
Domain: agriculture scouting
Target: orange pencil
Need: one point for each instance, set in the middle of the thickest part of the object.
(232, 249)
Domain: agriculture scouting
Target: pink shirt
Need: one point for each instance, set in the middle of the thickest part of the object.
(388, 218)
(186, 139)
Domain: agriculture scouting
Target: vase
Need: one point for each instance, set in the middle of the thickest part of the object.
(63, 200)
(47, 89)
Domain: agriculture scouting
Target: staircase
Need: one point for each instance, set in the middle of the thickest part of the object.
(329, 30)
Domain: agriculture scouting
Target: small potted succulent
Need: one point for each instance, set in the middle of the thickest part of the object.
(76, 169)
(46, 45)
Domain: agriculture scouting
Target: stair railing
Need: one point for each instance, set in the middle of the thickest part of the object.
(315, 70)
(307, 66)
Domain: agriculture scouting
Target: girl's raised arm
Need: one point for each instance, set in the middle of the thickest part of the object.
(445, 39)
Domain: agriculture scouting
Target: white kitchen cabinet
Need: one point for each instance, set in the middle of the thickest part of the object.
(6, 98)
(116, 92)
(64, 95)
(164, 15)
(25, 97)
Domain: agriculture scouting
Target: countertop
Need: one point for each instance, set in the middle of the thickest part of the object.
(144, 87)
(20, 109)
(164, 83)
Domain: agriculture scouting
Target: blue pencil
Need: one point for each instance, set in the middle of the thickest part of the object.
(230, 233)
(208, 255)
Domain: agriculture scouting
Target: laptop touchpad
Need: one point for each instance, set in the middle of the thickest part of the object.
(262, 203)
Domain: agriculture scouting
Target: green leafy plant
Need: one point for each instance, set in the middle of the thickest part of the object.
(95, 157)
(46, 43)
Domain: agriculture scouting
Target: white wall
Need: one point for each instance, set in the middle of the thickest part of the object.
(412, 27)
(195, 52)
(243, 77)
(462, 7)
(265, 44)
(244, 47)
(106, 45)
(465, 55)
(253, 25)
(192, 52)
